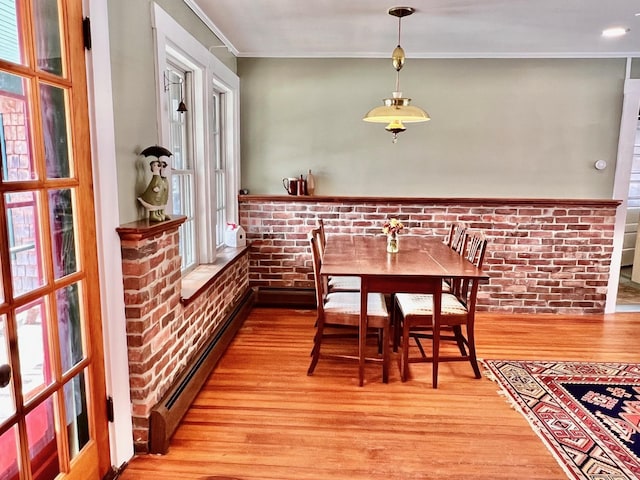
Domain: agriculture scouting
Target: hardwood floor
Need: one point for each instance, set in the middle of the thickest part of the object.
(260, 416)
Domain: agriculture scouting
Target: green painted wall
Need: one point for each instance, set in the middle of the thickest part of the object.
(134, 88)
(499, 128)
(635, 68)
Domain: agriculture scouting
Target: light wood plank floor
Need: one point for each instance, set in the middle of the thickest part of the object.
(261, 417)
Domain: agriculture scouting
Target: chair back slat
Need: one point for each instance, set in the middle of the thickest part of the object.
(475, 248)
(456, 238)
(322, 237)
(314, 241)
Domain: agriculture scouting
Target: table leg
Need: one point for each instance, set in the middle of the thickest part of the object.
(437, 312)
(362, 330)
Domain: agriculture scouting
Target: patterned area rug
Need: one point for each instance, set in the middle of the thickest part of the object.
(588, 414)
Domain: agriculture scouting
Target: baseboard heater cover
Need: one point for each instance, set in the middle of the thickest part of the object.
(286, 297)
(167, 414)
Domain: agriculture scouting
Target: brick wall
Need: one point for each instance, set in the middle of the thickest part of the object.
(544, 256)
(163, 335)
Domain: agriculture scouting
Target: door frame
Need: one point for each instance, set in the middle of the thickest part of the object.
(626, 140)
(107, 220)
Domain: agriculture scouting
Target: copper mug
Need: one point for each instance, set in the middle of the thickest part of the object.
(290, 185)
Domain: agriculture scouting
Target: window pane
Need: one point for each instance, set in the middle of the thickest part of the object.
(75, 400)
(10, 44)
(176, 193)
(177, 159)
(9, 454)
(43, 451)
(35, 367)
(7, 402)
(48, 43)
(17, 162)
(62, 232)
(177, 120)
(221, 211)
(186, 244)
(24, 241)
(54, 125)
(182, 193)
(69, 326)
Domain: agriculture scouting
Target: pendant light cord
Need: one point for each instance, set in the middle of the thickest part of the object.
(398, 70)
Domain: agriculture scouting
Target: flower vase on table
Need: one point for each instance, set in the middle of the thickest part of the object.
(392, 243)
(391, 229)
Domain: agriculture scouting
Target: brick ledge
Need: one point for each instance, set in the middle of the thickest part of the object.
(142, 229)
(199, 279)
(554, 202)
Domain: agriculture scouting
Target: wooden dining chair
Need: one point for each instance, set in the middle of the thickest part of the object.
(456, 241)
(413, 316)
(456, 236)
(335, 283)
(342, 309)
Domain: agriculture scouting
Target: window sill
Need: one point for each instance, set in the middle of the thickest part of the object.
(199, 279)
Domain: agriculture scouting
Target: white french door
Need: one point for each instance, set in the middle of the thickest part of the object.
(52, 400)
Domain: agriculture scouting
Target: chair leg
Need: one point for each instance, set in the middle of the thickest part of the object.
(471, 342)
(419, 344)
(404, 363)
(385, 354)
(457, 331)
(315, 352)
(395, 323)
(436, 354)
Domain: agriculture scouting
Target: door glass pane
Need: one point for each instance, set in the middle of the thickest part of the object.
(43, 451)
(1, 285)
(62, 232)
(75, 397)
(69, 326)
(48, 43)
(10, 44)
(54, 125)
(9, 455)
(17, 161)
(35, 367)
(7, 402)
(24, 241)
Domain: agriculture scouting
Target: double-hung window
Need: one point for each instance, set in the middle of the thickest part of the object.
(198, 118)
(183, 172)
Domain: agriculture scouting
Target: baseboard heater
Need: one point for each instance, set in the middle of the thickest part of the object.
(167, 414)
(286, 297)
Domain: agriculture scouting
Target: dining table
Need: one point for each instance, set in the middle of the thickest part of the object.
(420, 266)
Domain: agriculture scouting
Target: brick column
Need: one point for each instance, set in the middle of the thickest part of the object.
(165, 333)
(151, 276)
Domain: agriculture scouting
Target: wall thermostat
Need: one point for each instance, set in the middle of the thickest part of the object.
(600, 165)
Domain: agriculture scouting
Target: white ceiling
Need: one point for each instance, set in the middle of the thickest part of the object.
(438, 29)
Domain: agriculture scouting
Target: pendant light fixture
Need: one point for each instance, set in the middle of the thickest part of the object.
(397, 110)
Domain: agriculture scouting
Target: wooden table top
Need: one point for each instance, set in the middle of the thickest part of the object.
(419, 256)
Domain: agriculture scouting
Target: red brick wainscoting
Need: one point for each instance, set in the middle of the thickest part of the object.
(163, 333)
(544, 255)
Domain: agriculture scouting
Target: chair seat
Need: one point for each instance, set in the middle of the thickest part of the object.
(344, 284)
(457, 315)
(422, 304)
(345, 304)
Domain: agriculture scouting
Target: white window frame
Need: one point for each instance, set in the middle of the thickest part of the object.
(208, 72)
(187, 166)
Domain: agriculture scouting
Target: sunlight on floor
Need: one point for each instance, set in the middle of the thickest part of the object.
(628, 293)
